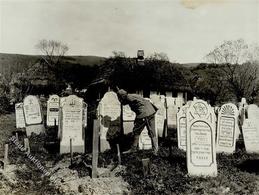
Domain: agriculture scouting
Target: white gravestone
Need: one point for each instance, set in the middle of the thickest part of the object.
(71, 125)
(201, 151)
(32, 115)
(160, 115)
(182, 127)
(52, 110)
(253, 113)
(144, 140)
(32, 110)
(128, 117)
(19, 115)
(251, 136)
(171, 112)
(227, 128)
(109, 110)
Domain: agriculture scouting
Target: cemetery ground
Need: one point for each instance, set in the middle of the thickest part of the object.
(238, 173)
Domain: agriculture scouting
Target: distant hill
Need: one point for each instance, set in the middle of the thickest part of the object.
(190, 65)
(10, 63)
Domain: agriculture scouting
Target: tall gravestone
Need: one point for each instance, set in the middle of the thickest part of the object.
(171, 112)
(182, 127)
(227, 128)
(251, 136)
(109, 110)
(160, 115)
(52, 110)
(19, 115)
(201, 151)
(33, 115)
(71, 125)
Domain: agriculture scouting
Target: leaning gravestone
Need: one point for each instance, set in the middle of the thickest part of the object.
(227, 128)
(19, 115)
(71, 125)
(182, 127)
(52, 110)
(251, 136)
(33, 115)
(109, 110)
(201, 152)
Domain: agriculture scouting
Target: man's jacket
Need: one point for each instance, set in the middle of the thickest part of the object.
(139, 105)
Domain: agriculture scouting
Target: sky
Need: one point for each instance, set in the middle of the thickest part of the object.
(186, 30)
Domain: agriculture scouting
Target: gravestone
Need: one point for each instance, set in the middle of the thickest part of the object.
(172, 110)
(71, 125)
(182, 127)
(253, 112)
(251, 136)
(227, 128)
(242, 107)
(144, 140)
(160, 116)
(32, 115)
(109, 110)
(84, 115)
(128, 117)
(19, 115)
(201, 151)
(52, 110)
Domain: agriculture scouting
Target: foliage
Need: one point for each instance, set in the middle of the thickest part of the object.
(157, 73)
(4, 95)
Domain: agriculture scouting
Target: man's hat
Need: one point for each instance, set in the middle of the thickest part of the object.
(122, 93)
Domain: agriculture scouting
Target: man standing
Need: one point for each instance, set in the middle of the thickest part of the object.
(145, 116)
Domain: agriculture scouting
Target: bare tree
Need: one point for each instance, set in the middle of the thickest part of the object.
(238, 66)
(229, 52)
(53, 51)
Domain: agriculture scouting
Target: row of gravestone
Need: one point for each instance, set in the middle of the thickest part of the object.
(68, 113)
(111, 113)
(197, 128)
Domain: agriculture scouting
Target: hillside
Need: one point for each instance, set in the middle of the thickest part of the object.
(10, 63)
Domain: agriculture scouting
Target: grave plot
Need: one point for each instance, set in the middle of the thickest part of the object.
(227, 128)
(201, 151)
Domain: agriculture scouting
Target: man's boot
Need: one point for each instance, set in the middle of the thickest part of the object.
(134, 146)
